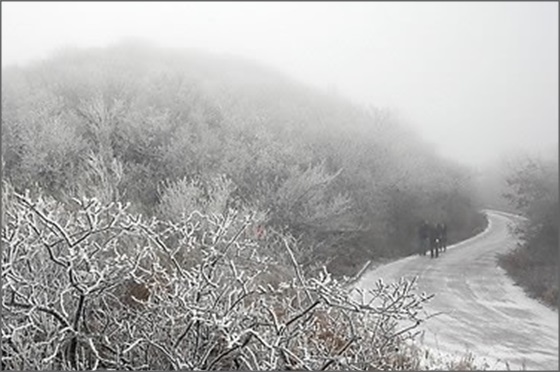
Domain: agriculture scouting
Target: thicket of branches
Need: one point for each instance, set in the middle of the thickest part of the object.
(533, 190)
(172, 132)
(89, 285)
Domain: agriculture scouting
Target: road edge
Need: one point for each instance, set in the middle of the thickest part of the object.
(365, 269)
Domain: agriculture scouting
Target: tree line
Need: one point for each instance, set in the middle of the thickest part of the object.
(176, 131)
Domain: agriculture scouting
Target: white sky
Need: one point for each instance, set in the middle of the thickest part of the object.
(476, 79)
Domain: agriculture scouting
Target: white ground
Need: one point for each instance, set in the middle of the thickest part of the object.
(483, 312)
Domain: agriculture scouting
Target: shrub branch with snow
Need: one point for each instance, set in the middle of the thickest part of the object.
(92, 286)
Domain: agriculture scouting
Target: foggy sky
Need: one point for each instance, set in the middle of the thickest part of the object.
(478, 80)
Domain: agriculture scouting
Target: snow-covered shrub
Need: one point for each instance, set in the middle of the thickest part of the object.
(184, 196)
(93, 286)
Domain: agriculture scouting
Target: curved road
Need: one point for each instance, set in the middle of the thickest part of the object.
(481, 310)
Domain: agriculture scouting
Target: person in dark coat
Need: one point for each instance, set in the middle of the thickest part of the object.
(437, 229)
(433, 241)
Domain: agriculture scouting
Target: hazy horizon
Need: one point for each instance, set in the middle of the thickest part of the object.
(478, 80)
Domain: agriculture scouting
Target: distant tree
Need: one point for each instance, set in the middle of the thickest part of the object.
(533, 189)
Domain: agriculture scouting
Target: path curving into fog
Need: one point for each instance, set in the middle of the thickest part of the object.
(482, 311)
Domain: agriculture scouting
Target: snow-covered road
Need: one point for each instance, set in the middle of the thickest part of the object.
(482, 311)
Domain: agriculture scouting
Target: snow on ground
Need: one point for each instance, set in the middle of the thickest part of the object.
(482, 312)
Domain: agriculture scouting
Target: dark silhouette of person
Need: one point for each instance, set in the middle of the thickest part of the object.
(433, 241)
(442, 236)
(438, 233)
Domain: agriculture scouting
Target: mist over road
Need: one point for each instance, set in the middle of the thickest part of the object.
(482, 311)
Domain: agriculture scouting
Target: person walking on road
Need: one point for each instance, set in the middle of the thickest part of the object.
(442, 236)
(433, 241)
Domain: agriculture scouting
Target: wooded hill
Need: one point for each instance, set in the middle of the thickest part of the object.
(173, 131)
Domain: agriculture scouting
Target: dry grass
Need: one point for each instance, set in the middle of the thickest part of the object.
(537, 276)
